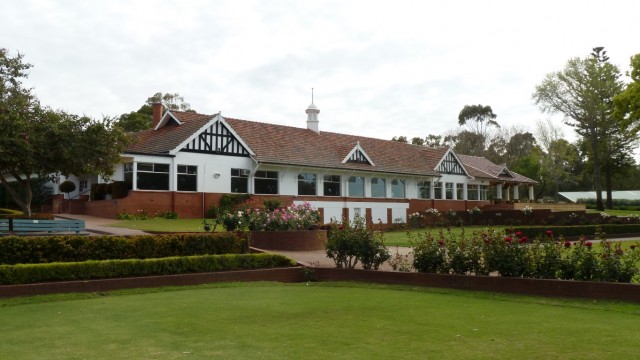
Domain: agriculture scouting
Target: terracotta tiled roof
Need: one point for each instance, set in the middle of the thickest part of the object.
(481, 167)
(286, 145)
(167, 138)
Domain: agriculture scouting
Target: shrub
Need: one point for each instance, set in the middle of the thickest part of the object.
(98, 191)
(294, 217)
(514, 255)
(32, 273)
(271, 204)
(65, 248)
(67, 186)
(119, 190)
(545, 259)
(505, 254)
(429, 255)
(353, 241)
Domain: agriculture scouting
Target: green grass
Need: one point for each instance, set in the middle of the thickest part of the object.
(400, 238)
(315, 321)
(622, 213)
(164, 225)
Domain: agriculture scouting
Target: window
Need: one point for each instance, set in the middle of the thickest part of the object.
(307, 184)
(128, 175)
(152, 176)
(437, 190)
(424, 189)
(356, 186)
(448, 190)
(472, 192)
(460, 191)
(378, 187)
(484, 192)
(397, 188)
(266, 182)
(240, 181)
(82, 186)
(331, 185)
(187, 178)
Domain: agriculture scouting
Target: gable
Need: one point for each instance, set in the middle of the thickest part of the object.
(217, 138)
(167, 119)
(505, 172)
(450, 165)
(357, 155)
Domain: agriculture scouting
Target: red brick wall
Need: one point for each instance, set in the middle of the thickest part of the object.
(190, 205)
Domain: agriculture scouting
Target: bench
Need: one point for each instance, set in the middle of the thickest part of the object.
(40, 227)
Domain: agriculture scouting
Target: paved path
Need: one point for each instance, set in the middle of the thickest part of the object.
(97, 225)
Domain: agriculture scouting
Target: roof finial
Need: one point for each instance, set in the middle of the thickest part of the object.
(312, 115)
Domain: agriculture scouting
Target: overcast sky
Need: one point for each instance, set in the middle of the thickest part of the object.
(379, 68)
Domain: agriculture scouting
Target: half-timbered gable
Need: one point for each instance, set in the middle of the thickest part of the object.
(358, 156)
(451, 165)
(217, 138)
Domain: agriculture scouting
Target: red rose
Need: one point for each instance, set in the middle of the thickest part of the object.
(523, 240)
(588, 244)
(549, 233)
(567, 244)
(507, 239)
(519, 234)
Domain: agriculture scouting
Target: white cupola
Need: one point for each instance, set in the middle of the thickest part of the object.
(312, 116)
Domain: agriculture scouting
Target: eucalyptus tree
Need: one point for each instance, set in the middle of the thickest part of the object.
(480, 120)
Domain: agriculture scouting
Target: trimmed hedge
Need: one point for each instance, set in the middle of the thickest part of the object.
(73, 248)
(578, 230)
(87, 270)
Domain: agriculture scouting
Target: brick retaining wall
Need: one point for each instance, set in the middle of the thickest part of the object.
(532, 287)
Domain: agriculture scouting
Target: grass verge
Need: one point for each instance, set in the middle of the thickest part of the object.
(315, 321)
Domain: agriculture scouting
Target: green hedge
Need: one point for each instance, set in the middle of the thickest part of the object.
(73, 248)
(87, 270)
(579, 230)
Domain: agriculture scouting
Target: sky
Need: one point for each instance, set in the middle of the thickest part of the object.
(378, 68)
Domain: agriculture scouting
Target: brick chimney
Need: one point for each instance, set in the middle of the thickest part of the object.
(157, 113)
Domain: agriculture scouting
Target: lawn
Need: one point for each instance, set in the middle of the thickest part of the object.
(163, 225)
(315, 321)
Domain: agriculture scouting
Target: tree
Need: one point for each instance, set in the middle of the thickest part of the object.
(67, 187)
(467, 142)
(40, 142)
(170, 101)
(627, 103)
(400, 139)
(478, 119)
(557, 164)
(433, 141)
(417, 141)
(583, 93)
(143, 118)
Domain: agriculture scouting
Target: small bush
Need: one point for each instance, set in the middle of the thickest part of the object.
(353, 242)
(67, 186)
